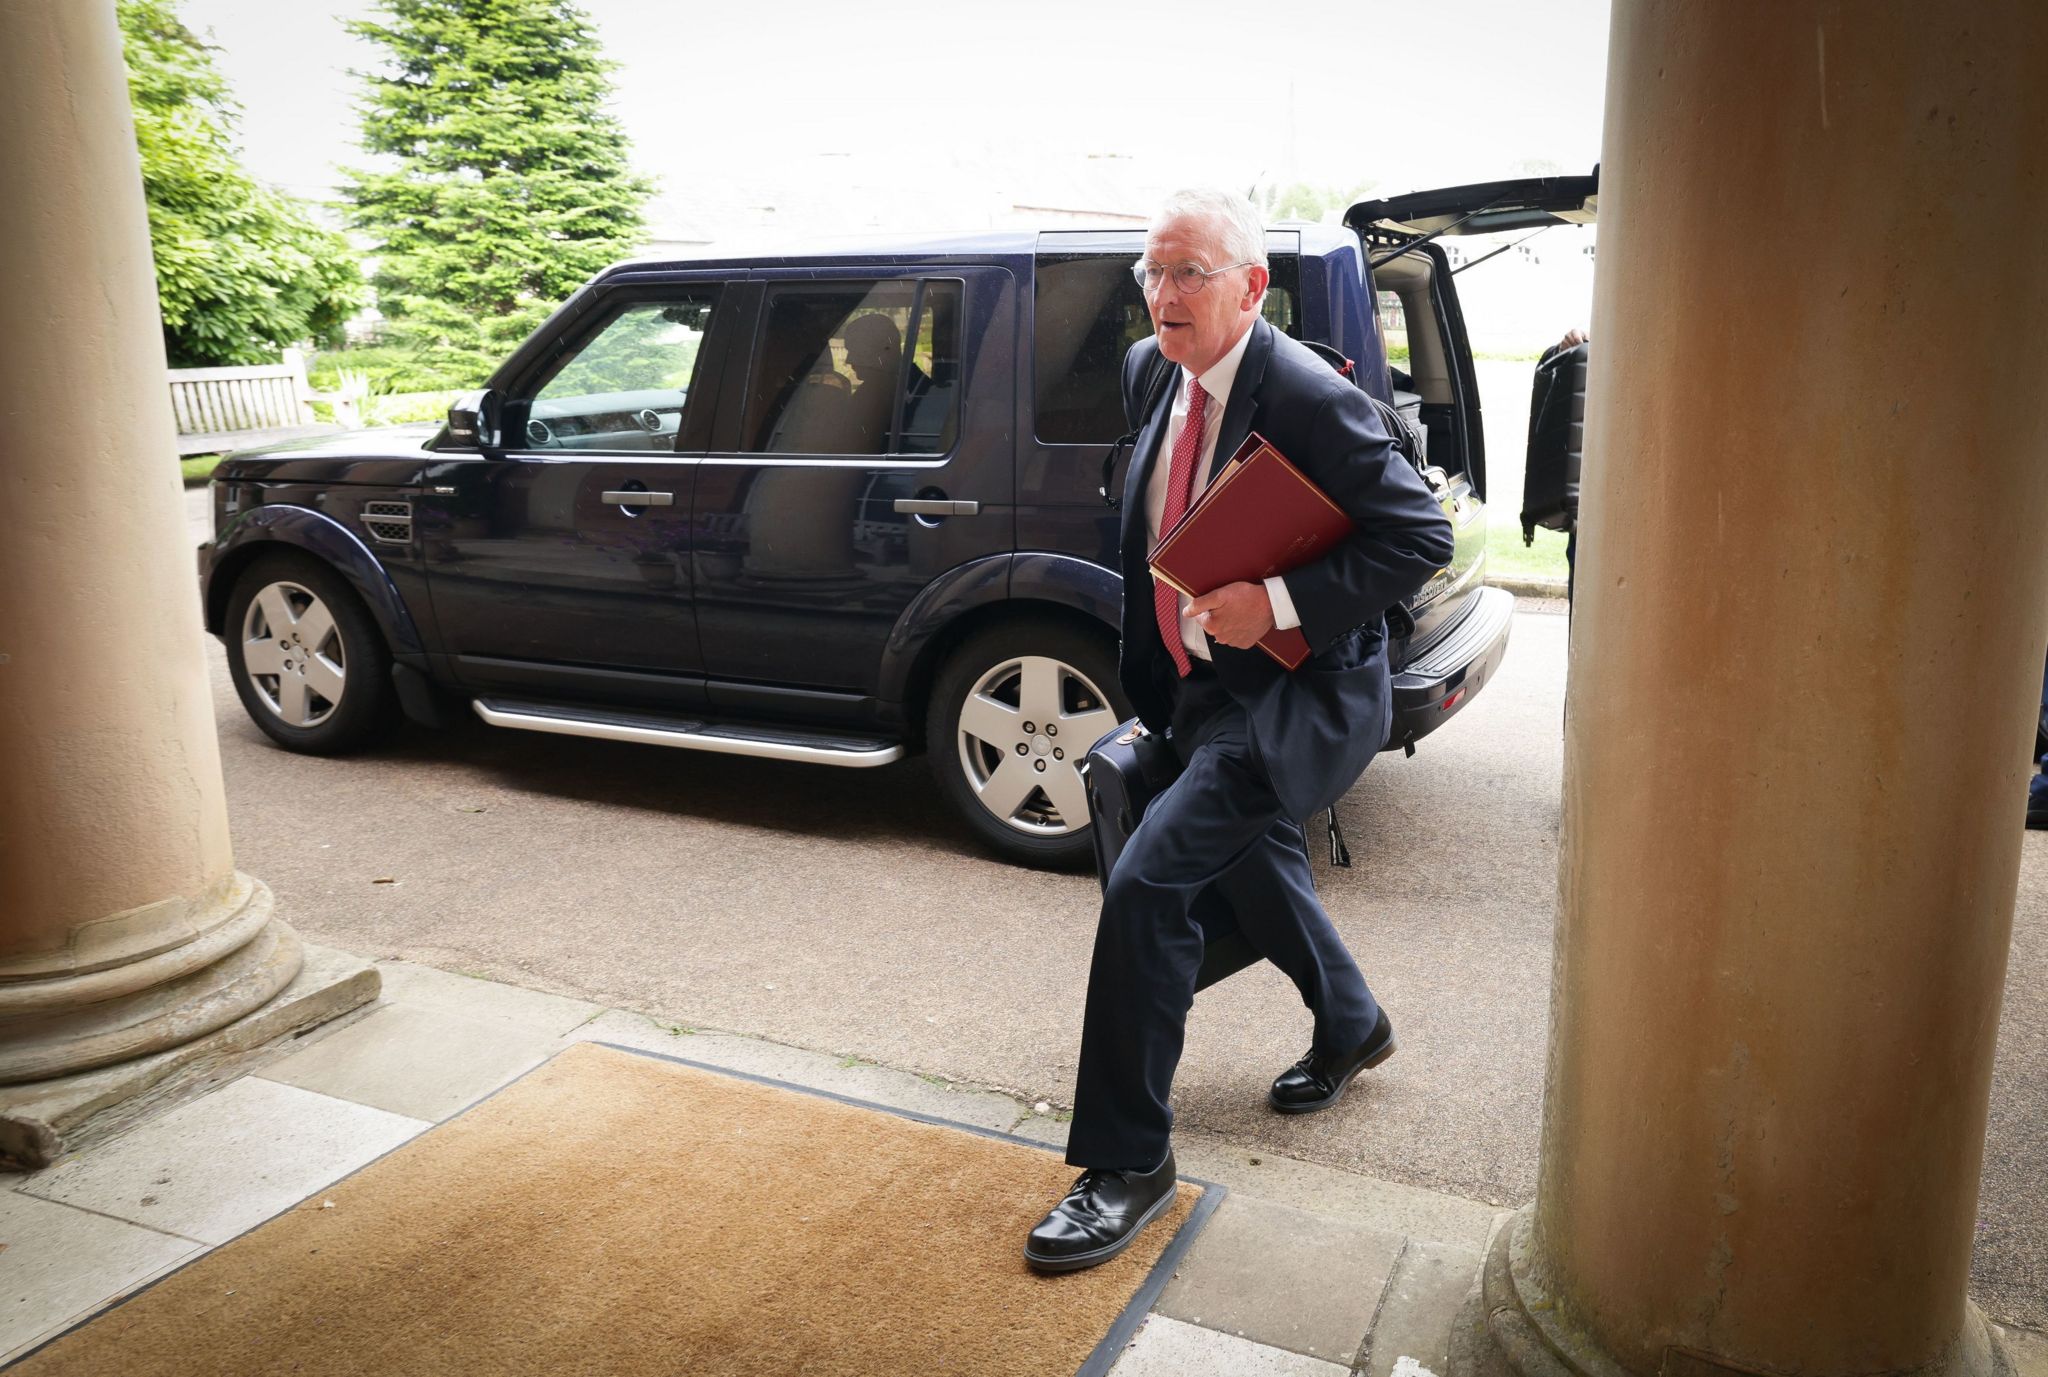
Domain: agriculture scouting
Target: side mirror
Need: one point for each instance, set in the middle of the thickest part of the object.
(473, 421)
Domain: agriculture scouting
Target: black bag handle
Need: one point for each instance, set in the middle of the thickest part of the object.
(1344, 367)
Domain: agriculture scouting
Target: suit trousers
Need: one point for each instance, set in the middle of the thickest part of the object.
(1220, 824)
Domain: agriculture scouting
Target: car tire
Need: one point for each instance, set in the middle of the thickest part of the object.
(1020, 791)
(307, 659)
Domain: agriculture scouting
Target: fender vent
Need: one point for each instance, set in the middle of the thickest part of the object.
(389, 523)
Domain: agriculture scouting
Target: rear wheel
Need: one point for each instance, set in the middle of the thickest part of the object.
(306, 657)
(1012, 714)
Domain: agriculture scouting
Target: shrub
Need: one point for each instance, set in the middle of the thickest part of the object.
(241, 271)
(390, 368)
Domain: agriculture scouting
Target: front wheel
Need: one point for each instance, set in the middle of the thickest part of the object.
(306, 657)
(1012, 715)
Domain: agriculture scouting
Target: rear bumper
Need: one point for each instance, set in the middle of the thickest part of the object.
(1445, 675)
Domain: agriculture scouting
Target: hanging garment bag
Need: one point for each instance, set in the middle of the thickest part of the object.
(1557, 430)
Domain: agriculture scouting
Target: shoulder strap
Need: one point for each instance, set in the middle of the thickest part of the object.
(1400, 430)
(1156, 383)
(1398, 427)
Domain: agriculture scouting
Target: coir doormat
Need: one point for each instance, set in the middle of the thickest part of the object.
(615, 1212)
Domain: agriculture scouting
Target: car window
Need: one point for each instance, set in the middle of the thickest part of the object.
(627, 386)
(857, 368)
(1394, 328)
(1088, 311)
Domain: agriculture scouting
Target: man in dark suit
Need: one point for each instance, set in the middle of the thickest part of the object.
(1263, 749)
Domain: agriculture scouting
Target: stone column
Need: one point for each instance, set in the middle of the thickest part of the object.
(1812, 604)
(124, 926)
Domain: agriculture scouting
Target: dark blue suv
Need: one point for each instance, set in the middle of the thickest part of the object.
(832, 508)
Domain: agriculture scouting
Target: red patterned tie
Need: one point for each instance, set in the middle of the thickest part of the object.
(1180, 483)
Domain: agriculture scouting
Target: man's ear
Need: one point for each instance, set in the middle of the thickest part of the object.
(1255, 287)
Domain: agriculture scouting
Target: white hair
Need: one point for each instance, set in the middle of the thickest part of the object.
(1239, 231)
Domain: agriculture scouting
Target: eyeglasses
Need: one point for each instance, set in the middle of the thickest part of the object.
(1188, 278)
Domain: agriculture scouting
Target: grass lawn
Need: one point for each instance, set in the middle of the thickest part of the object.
(1508, 557)
(198, 470)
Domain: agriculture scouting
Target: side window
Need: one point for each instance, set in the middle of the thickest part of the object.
(1282, 306)
(1278, 309)
(1087, 312)
(857, 368)
(1394, 328)
(627, 386)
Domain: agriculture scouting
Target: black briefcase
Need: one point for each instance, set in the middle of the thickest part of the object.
(1124, 772)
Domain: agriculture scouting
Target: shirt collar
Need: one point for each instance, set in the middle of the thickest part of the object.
(1222, 374)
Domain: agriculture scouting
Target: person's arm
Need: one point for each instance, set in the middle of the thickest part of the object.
(1402, 536)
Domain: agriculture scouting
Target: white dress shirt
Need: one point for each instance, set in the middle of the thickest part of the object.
(1216, 382)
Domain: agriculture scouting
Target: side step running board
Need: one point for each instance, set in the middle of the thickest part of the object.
(658, 729)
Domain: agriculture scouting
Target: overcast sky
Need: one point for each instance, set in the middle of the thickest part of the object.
(931, 110)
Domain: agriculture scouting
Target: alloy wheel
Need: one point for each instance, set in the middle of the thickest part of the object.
(1024, 729)
(293, 654)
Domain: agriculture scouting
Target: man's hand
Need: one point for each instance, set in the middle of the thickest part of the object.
(1237, 614)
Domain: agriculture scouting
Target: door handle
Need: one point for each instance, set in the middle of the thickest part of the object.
(924, 506)
(640, 499)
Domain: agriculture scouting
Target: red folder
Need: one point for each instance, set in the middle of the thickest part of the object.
(1259, 518)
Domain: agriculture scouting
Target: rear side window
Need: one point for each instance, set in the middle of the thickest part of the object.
(1087, 312)
(857, 368)
(1394, 327)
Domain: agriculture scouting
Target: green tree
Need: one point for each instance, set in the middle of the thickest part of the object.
(241, 271)
(511, 182)
(1303, 201)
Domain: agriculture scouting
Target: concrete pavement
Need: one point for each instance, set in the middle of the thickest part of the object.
(1304, 1271)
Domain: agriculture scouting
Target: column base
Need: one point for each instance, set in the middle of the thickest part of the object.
(1512, 1327)
(43, 1120)
(239, 958)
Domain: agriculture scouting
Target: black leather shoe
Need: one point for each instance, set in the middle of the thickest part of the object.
(1319, 1078)
(1099, 1218)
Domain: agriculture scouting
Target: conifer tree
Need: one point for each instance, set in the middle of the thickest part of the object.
(511, 183)
(241, 271)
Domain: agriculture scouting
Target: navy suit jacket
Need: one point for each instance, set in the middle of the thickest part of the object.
(1315, 729)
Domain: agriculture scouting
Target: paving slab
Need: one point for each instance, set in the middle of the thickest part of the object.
(58, 1263)
(421, 1062)
(1285, 1277)
(43, 1121)
(820, 1071)
(1428, 1286)
(1052, 1131)
(211, 1169)
(2027, 1349)
(476, 997)
(1387, 1206)
(1168, 1348)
